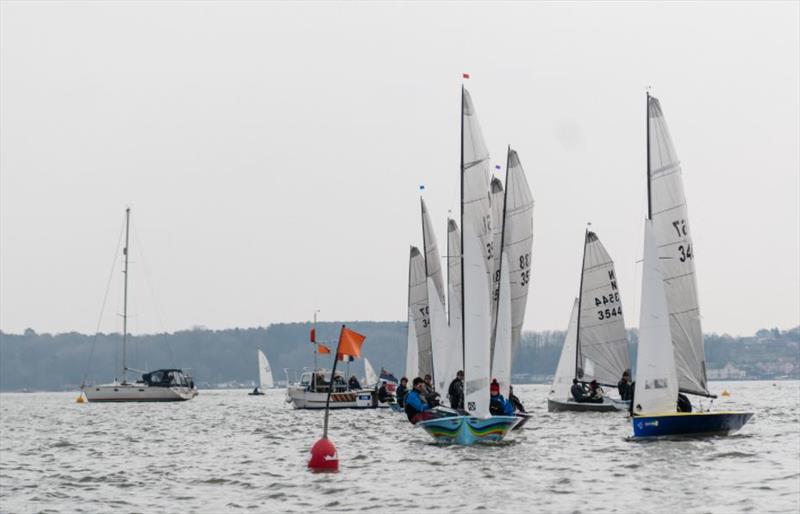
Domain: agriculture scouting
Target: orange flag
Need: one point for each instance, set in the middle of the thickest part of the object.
(322, 348)
(350, 342)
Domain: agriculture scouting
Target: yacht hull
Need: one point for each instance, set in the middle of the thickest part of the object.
(138, 393)
(691, 424)
(468, 430)
(300, 398)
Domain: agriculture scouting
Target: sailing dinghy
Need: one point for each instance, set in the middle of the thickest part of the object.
(475, 424)
(264, 375)
(671, 357)
(596, 346)
(515, 244)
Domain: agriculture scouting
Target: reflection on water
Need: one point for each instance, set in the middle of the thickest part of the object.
(226, 451)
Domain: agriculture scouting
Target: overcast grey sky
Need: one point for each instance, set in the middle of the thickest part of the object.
(272, 152)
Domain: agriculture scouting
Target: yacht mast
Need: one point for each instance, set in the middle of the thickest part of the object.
(125, 300)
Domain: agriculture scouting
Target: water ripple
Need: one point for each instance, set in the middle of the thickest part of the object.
(226, 451)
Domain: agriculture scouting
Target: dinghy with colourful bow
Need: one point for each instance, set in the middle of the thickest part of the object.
(467, 430)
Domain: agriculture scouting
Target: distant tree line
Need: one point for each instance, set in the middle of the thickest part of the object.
(36, 361)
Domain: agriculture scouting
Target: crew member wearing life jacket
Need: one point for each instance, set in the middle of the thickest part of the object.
(417, 409)
(499, 406)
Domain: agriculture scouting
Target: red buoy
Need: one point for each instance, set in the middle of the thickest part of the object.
(323, 456)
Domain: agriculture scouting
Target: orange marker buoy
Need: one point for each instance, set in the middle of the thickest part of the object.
(324, 456)
(725, 393)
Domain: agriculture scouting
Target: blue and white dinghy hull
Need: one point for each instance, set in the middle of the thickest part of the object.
(689, 424)
(468, 430)
(608, 405)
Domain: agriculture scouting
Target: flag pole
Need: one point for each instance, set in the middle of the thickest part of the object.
(330, 389)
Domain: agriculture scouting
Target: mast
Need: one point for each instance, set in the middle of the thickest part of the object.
(647, 129)
(461, 235)
(125, 300)
(580, 301)
(447, 260)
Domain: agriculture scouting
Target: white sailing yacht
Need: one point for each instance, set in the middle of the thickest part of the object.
(671, 357)
(596, 346)
(163, 385)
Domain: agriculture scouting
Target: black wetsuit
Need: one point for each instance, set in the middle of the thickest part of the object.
(456, 394)
(684, 405)
(516, 403)
(383, 394)
(625, 390)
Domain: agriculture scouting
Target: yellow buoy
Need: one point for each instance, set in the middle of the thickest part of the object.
(80, 398)
(725, 393)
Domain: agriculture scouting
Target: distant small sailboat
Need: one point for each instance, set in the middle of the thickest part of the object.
(370, 377)
(671, 357)
(264, 375)
(163, 385)
(596, 346)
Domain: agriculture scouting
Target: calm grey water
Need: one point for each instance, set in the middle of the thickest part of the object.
(227, 452)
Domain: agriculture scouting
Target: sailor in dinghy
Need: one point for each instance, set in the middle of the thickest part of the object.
(595, 351)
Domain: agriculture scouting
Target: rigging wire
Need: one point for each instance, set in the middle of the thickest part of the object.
(156, 306)
(103, 307)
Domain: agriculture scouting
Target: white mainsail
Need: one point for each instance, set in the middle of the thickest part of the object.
(433, 260)
(656, 377)
(667, 209)
(501, 356)
(412, 353)
(370, 378)
(419, 311)
(518, 242)
(477, 261)
(602, 340)
(440, 340)
(475, 198)
(437, 313)
(455, 342)
(264, 371)
(476, 326)
(497, 196)
(565, 371)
